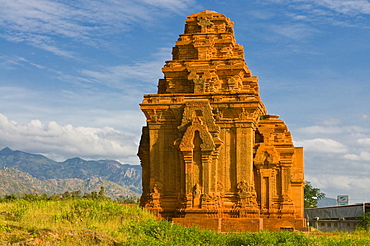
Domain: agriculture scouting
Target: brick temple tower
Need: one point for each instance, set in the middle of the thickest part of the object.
(210, 153)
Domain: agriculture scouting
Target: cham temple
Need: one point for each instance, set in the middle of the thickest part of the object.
(211, 155)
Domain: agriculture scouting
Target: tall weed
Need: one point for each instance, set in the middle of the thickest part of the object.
(93, 221)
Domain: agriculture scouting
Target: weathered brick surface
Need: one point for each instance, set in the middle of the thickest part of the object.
(210, 152)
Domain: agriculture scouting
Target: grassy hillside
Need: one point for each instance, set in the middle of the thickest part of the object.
(100, 221)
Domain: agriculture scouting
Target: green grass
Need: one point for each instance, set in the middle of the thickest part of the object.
(86, 221)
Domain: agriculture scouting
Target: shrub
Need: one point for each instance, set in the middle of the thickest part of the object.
(364, 221)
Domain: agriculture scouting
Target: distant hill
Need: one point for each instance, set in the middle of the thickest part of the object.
(43, 168)
(14, 181)
(326, 202)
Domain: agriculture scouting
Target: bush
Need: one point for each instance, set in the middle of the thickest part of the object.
(364, 221)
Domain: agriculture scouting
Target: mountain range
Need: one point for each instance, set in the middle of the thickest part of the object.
(24, 172)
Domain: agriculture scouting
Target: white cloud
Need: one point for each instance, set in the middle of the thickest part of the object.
(351, 7)
(327, 129)
(10, 62)
(352, 157)
(319, 130)
(302, 20)
(362, 156)
(99, 107)
(125, 76)
(9, 93)
(45, 23)
(327, 180)
(262, 14)
(337, 158)
(365, 156)
(172, 5)
(364, 141)
(330, 122)
(295, 31)
(33, 20)
(322, 145)
(68, 141)
(348, 13)
(357, 187)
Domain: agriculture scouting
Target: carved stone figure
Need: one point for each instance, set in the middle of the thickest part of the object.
(210, 152)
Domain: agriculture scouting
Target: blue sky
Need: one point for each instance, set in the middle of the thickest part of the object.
(72, 74)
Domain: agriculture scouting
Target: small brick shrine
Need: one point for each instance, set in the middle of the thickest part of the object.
(210, 153)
